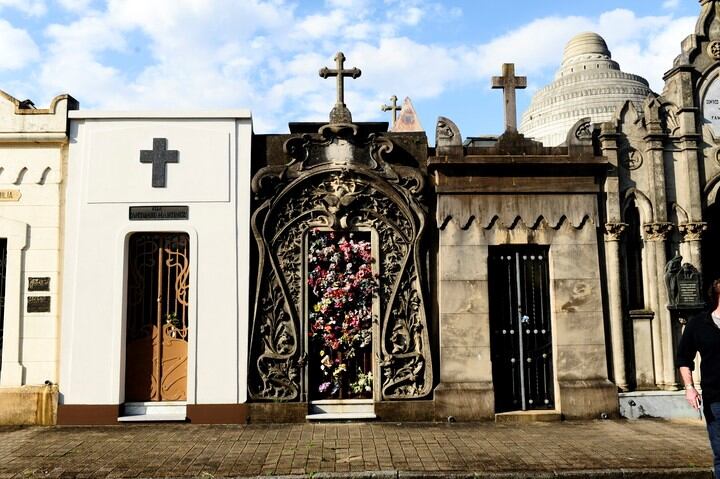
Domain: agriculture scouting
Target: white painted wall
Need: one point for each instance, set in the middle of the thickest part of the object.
(33, 148)
(105, 178)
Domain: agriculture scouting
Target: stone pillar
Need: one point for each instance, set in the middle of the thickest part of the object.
(691, 237)
(613, 233)
(656, 234)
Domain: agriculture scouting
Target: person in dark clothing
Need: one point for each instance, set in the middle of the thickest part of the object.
(702, 335)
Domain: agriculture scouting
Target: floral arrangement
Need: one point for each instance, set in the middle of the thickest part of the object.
(342, 283)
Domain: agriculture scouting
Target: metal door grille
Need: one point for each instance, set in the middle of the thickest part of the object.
(521, 340)
(157, 317)
(3, 280)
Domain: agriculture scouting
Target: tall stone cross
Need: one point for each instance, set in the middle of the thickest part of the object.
(509, 83)
(340, 113)
(159, 156)
(394, 108)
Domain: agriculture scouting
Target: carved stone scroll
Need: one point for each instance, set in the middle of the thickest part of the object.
(338, 181)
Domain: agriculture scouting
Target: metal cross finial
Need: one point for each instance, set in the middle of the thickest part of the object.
(340, 113)
(159, 156)
(394, 108)
(509, 83)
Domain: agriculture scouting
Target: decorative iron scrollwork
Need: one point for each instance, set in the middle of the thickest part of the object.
(338, 181)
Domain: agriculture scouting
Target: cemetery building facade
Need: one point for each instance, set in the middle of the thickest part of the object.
(348, 270)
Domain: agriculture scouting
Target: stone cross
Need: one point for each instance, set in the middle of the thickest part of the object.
(159, 156)
(394, 108)
(509, 83)
(340, 113)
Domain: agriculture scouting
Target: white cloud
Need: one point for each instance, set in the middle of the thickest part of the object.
(671, 4)
(28, 7)
(17, 48)
(75, 5)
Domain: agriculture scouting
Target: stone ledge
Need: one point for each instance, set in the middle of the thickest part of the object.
(28, 405)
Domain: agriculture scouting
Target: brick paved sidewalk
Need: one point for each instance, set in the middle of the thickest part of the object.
(606, 448)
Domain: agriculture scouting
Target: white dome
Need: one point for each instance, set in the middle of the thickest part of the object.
(588, 84)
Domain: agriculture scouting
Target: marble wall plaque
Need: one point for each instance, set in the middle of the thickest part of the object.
(38, 284)
(38, 304)
(711, 105)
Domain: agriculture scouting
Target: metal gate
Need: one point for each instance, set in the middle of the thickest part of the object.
(521, 339)
(157, 317)
(3, 276)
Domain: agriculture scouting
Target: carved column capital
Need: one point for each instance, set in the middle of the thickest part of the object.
(614, 231)
(657, 231)
(692, 231)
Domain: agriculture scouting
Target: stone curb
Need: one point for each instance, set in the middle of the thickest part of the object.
(683, 473)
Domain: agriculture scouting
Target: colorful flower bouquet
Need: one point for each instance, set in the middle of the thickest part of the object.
(342, 287)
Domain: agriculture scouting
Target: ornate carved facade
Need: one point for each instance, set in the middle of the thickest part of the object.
(339, 179)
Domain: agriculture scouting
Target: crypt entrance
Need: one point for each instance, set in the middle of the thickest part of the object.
(157, 318)
(339, 316)
(520, 328)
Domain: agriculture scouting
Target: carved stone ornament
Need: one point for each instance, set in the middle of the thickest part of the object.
(692, 231)
(584, 131)
(338, 180)
(631, 158)
(447, 133)
(657, 231)
(713, 50)
(614, 231)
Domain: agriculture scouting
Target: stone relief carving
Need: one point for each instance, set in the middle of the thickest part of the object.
(692, 231)
(713, 50)
(447, 133)
(584, 131)
(631, 158)
(337, 180)
(614, 231)
(657, 231)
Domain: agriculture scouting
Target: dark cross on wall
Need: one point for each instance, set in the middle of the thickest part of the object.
(340, 113)
(508, 82)
(159, 156)
(394, 108)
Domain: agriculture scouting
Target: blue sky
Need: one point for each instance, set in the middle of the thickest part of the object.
(264, 54)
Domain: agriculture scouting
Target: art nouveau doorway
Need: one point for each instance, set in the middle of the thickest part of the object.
(157, 317)
(341, 288)
(521, 336)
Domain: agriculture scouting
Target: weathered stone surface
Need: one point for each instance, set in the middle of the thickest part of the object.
(579, 328)
(588, 399)
(465, 364)
(469, 297)
(28, 405)
(463, 262)
(464, 401)
(581, 362)
(577, 295)
(573, 261)
(465, 330)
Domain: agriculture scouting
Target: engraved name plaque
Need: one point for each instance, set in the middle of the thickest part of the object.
(711, 105)
(158, 213)
(38, 284)
(10, 195)
(38, 304)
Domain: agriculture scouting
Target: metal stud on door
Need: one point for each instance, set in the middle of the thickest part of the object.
(521, 340)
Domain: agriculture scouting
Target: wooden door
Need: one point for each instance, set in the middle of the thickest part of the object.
(157, 317)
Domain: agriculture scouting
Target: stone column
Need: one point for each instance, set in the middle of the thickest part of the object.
(656, 234)
(690, 237)
(613, 233)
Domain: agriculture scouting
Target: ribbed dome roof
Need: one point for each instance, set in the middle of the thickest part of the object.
(588, 84)
(587, 43)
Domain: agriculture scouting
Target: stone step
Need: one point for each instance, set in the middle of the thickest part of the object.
(154, 411)
(519, 417)
(341, 409)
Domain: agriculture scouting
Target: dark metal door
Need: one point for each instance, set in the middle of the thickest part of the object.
(3, 275)
(521, 338)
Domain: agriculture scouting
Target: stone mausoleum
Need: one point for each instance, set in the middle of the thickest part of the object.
(176, 266)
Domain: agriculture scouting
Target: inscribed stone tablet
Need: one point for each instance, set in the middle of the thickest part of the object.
(711, 105)
(38, 304)
(38, 284)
